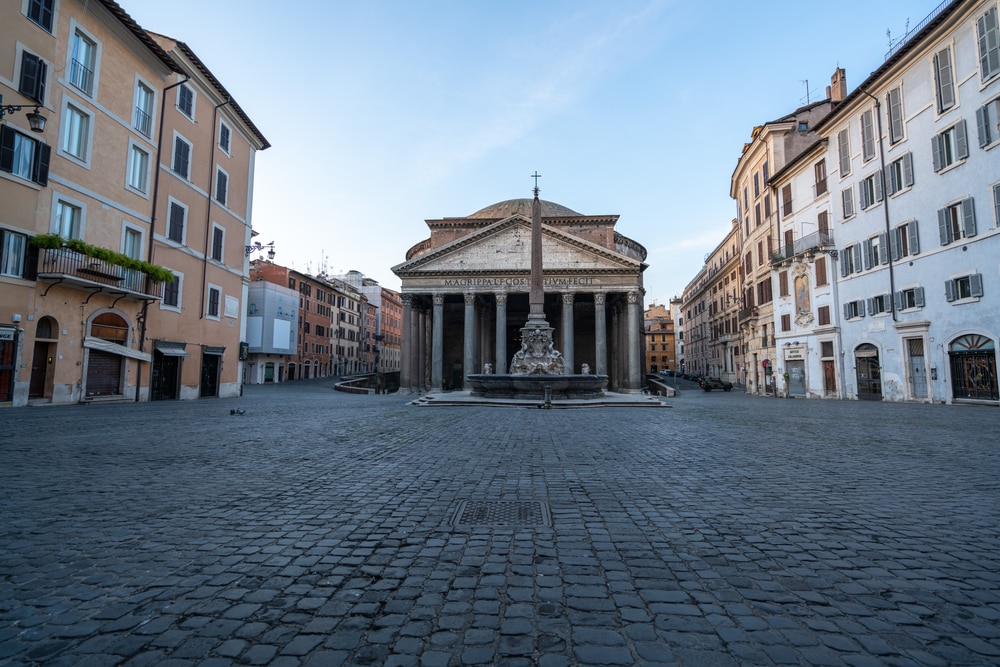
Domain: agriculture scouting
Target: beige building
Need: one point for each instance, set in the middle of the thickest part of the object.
(660, 342)
(145, 164)
(723, 290)
(203, 194)
(771, 146)
(76, 212)
(694, 304)
(466, 289)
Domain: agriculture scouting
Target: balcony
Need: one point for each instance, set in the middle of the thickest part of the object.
(62, 265)
(812, 243)
(747, 314)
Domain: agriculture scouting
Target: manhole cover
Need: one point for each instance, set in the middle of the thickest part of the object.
(502, 513)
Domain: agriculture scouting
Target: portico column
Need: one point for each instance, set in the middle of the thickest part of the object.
(600, 334)
(421, 348)
(437, 342)
(409, 354)
(469, 356)
(634, 343)
(501, 341)
(567, 332)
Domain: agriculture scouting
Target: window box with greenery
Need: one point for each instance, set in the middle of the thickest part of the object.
(75, 256)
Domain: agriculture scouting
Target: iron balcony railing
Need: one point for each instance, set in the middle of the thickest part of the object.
(815, 241)
(63, 264)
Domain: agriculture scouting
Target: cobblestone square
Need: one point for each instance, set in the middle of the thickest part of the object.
(320, 528)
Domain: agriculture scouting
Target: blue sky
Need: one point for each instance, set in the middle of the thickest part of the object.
(382, 114)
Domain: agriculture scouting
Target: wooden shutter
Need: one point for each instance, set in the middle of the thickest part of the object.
(968, 218)
(41, 166)
(6, 148)
(786, 200)
(783, 283)
(823, 222)
(844, 152)
(820, 265)
(32, 83)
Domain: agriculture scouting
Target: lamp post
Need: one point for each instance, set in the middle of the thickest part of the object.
(257, 246)
(35, 119)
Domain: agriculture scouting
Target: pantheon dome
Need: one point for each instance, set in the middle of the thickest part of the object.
(505, 209)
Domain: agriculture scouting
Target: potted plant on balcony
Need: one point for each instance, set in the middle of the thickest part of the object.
(97, 254)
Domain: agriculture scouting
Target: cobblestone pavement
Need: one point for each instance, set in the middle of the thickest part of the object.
(322, 528)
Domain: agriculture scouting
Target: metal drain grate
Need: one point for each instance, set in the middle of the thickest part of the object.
(501, 513)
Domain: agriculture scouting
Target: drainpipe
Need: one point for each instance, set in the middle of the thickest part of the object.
(208, 211)
(885, 204)
(152, 229)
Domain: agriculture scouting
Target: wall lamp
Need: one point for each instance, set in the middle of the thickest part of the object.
(35, 119)
(257, 246)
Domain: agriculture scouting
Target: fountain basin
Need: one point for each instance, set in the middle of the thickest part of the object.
(579, 387)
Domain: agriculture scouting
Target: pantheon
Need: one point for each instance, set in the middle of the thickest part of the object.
(466, 289)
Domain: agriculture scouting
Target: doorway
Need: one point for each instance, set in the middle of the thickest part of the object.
(869, 372)
(211, 364)
(973, 368)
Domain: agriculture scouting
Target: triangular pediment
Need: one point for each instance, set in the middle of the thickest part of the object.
(506, 246)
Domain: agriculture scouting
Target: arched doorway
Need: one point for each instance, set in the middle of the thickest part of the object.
(105, 368)
(869, 372)
(973, 368)
(43, 358)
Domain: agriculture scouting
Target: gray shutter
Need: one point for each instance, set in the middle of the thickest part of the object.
(911, 230)
(996, 201)
(918, 297)
(945, 83)
(857, 257)
(867, 136)
(899, 301)
(908, 170)
(871, 306)
(843, 262)
(887, 302)
(983, 124)
(847, 311)
(989, 43)
(848, 201)
(976, 284)
(877, 177)
(895, 115)
(936, 152)
(949, 290)
(890, 182)
(844, 152)
(863, 196)
(944, 228)
(961, 141)
(883, 250)
(868, 254)
(968, 218)
(895, 241)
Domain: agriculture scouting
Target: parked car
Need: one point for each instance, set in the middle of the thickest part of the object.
(666, 373)
(708, 384)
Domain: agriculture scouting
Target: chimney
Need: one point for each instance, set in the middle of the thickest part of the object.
(837, 90)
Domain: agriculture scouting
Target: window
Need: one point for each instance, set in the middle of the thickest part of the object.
(76, 133)
(894, 109)
(823, 223)
(867, 136)
(760, 253)
(32, 81)
(132, 243)
(786, 200)
(182, 157)
(988, 122)
(880, 304)
(767, 205)
(138, 169)
(783, 283)
(305, 327)
(850, 260)
(41, 12)
(950, 146)
(83, 62)
(899, 174)
(214, 298)
(820, 171)
(185, 101)
(224, 137)
(996, 203)
(756, 214)
(944, 84)
(904, 241)
(176, 222)
(820, 265)
(989, 44)
(23, 156)
(966, 287)
(218, 242)
(875, 252)
(13, 248)
(172, 293)
(844, 152)
(786, 322)
(67, 220)
(870, 191)
(756, 185)
(143, 120)
(847, 201)
(957, 221)
(823, 315)
(910, 298)
(221, 186)
(854, 309)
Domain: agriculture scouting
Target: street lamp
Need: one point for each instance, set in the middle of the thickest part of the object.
(35, 119)
(257, 246)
